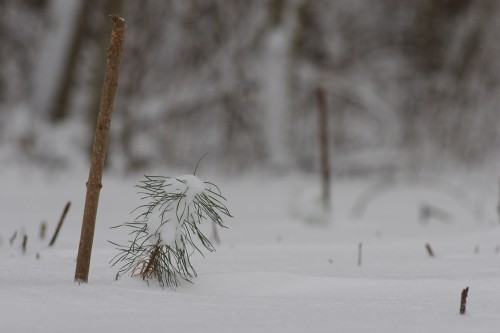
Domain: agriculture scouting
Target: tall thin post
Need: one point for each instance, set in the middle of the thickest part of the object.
(99, 149)
(324, 149)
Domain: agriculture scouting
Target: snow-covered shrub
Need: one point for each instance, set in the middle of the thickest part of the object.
(165, 232)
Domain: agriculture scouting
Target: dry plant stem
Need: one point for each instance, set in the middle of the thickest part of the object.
(59, 225)
(43, 230)
(463, 300)
(99, 149)
(25, 243)
(429, 250)
(145, 272)
(324, 151)
(360, 252)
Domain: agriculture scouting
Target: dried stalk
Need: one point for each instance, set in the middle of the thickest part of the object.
(25, 243)
(429, 250)
(99, 150)
(144, 272)
(43, 230)
(59, 225)
(463, 300)
(360, 253)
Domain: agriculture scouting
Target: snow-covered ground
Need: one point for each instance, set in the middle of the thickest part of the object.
(273, 272)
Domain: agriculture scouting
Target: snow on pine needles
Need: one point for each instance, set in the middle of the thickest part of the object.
(165, 232)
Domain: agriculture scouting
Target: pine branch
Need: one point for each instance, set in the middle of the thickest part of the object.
(180, 204)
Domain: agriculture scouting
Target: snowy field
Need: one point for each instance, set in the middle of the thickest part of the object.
(273, 272)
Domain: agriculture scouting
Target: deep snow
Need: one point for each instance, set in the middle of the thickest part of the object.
(273, 272)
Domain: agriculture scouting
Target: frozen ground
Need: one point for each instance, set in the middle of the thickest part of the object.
(272, 273)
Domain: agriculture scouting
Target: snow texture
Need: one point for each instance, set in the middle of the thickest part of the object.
(271, 273)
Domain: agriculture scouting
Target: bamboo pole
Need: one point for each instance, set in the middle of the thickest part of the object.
(94, 184)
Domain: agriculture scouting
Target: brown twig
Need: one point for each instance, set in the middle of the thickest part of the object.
(25, 243)
(61, 221)
(463, 300)
(429, 250)
(43, 229)
(145, 272)
(99, 149)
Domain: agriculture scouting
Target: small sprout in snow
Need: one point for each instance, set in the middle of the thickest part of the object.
(165, 231)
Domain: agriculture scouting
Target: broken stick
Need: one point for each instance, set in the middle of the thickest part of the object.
(463, 300)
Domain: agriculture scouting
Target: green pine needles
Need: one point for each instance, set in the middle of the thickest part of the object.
(165, 232)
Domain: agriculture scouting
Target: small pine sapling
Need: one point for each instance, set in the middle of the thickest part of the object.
(166, 230)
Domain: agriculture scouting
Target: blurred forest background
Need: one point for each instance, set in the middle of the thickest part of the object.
(409, 84)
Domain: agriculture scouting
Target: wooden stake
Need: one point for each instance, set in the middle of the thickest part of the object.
(324, 150)
(463, 300)
(99, 149)
(429, 250)
(61, 221)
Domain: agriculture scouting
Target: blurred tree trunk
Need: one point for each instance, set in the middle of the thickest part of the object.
(278, 79)
(60, 104)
